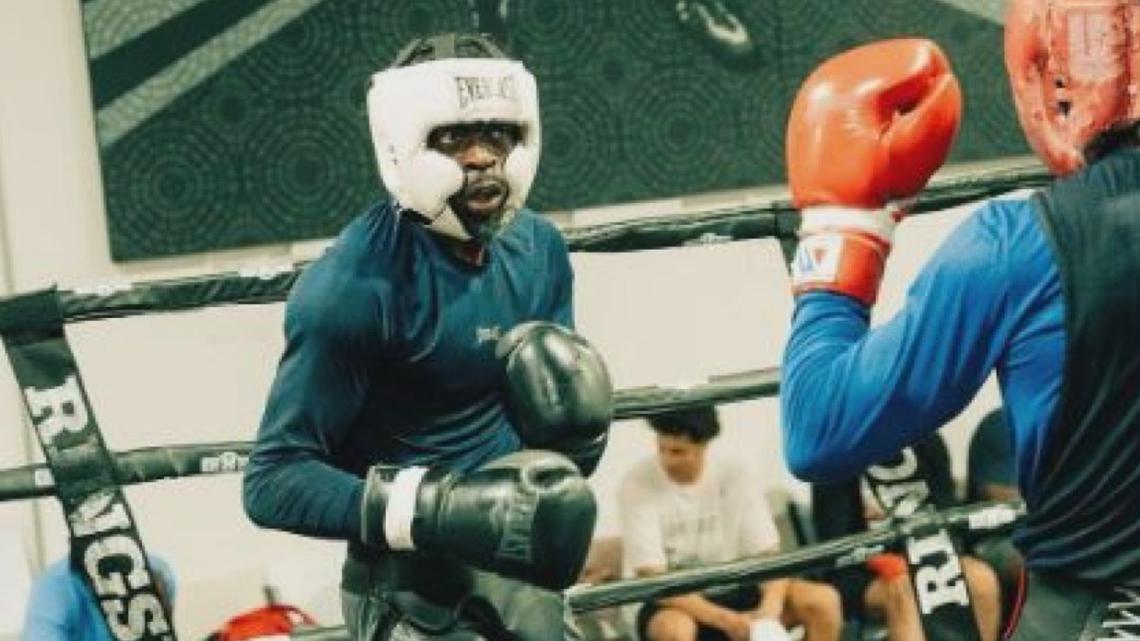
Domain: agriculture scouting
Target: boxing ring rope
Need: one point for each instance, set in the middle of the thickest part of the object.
(775, 218)
(148, 464)
(988, 517)
(778, 219)
(848, 551)
(133, 467)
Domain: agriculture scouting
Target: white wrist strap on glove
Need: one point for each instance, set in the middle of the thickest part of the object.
(843, 250)
(878, 223)
(401, 508)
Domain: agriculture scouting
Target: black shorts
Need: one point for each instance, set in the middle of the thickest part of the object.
(852, 584)
(740, 599)
(398, 596)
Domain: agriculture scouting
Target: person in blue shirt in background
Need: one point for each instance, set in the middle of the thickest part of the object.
(424, 349)
(991, 472)
(62, 606)
(1041, 291)
(991, 475)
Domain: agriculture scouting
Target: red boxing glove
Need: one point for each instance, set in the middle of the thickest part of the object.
(867, 130)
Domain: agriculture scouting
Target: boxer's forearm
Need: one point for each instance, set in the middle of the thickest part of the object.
(304, 497)
(853, 396)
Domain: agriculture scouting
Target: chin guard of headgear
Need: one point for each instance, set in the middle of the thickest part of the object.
(405, 103)
(1074, 67)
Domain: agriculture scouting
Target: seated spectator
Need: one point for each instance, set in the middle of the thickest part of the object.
(681, 509)
(63, 608)
(882, 591)
(992, 476)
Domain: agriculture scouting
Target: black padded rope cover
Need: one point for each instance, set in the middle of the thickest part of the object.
(773, 219)
(266, 285)
(778, 218)
(105, 546)
(725, 388)
(901, 489)
(174, 461)
(136, 466)
(843, 552)
(848, 551)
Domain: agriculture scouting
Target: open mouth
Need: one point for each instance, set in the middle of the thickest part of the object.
(485, 195)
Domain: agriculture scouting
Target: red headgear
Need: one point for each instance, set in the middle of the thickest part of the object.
(1074, 66)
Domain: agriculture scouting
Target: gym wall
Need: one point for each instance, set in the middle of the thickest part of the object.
(660, 317)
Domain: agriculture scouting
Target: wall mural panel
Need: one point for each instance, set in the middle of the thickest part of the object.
(226, 123)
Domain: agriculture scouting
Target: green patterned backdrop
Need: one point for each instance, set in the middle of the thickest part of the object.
(228, 123)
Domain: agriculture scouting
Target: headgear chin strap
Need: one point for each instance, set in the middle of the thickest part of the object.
(406, 103)
(1074, 67)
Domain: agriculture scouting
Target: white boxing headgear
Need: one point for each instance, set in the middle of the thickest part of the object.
(405, 103)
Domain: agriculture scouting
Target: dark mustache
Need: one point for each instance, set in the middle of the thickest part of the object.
(477, 181)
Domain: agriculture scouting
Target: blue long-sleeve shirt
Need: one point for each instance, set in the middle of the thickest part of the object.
(989, 299)
(389, 358)
(63, 608)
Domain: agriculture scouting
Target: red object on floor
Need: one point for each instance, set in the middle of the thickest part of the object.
(263, 622)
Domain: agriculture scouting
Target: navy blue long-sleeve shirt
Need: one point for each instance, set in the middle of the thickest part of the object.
(389, 358)
(989, 299)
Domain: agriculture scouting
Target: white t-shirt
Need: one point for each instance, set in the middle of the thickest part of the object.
(722, 517)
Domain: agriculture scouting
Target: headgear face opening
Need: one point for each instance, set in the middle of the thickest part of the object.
(1074, 68)
(452, 79)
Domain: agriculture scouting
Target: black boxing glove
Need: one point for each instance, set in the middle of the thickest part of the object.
(528, 515)
(557, 391)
